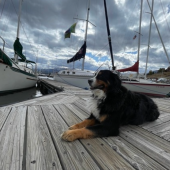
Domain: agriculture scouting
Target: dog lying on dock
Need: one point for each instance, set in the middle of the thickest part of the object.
(112, 106)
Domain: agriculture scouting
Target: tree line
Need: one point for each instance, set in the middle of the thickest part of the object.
(161, 70)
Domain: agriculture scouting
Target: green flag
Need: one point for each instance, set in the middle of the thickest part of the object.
(70, 30)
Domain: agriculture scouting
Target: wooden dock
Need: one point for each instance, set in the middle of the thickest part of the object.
(30, 137)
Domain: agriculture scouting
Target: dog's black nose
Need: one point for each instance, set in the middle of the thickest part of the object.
(90, 81)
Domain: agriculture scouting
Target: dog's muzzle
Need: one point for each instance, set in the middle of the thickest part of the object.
(96, 87)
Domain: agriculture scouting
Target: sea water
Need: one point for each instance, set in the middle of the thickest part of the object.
(20, 96)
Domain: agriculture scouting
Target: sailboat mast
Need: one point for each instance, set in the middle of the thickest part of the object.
(85, 38)
(149, 39)
(139, 33)
(109, 36)
(159, 34)
(19, 16)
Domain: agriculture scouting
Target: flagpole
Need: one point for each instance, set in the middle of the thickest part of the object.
(85, 38)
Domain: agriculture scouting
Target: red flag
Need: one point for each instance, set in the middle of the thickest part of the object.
(134, 37)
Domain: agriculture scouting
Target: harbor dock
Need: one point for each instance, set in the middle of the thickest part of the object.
(30, 136)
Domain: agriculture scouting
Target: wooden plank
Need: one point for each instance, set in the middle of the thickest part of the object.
(151, 145)
(79, 111)
(72, 154)
(4, 112)
(163, 118)
(40, 153)
(51, 98)
(163, 104)
(162, 130)
(105, 157)
(135, 157)
(12, 140)
(69, 88)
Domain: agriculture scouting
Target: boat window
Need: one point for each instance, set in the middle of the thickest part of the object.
(63, 72)
(73, 72)
(68, 72)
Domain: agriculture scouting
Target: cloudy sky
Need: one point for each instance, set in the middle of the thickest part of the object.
(43, 24)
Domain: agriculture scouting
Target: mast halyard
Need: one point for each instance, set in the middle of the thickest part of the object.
(85, 38)
(19, 16)
(109, 36)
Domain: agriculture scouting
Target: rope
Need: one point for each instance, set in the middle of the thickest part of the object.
(23, 27)
(165, 15)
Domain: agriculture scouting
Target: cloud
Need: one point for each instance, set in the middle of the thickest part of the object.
(44, 23)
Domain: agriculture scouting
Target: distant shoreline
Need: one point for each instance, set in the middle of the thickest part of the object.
(159, 75)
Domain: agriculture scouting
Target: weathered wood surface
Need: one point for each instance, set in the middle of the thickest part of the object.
(12, 138)
(30, 137)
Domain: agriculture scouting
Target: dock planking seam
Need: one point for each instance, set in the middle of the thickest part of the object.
(25, 142)
(41, 153)
(133, 155)
(4, 114)
(62, 164)
(145, 144)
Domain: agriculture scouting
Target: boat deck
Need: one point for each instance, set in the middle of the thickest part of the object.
(30, 137)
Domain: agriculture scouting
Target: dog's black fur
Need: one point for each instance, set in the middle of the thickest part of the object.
(120, 106)
(115, 106)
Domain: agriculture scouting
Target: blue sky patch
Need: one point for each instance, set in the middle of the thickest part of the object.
(132, 52)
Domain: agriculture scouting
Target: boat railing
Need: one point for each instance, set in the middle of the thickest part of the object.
(3, 42)
(3, 53)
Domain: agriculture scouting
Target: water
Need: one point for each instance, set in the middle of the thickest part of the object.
(19, 96)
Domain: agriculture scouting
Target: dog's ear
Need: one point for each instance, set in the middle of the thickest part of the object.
(114, 83)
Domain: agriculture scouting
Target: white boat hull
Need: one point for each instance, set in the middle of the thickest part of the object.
(13, 79)
(151, 89)
(76, 78)
(78, 81)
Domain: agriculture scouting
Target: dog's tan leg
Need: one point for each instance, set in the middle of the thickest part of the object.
(71, 135)
(85, 123)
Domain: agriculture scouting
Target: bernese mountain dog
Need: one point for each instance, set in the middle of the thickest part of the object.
(112, 105)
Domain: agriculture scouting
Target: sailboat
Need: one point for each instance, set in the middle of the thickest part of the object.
(143, 85)
(15, 75)
(75, 77)
(79, 77)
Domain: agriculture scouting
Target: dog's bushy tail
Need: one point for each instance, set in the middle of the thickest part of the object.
(153, 112)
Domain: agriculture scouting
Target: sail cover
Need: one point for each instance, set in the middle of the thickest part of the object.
(133, 68)
(80, 54)
(18, 49)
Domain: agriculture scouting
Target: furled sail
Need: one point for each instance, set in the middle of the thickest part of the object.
(18, 49)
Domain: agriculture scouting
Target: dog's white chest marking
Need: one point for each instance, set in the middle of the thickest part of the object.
(93, 102)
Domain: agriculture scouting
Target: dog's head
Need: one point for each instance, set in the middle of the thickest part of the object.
(105, 80)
